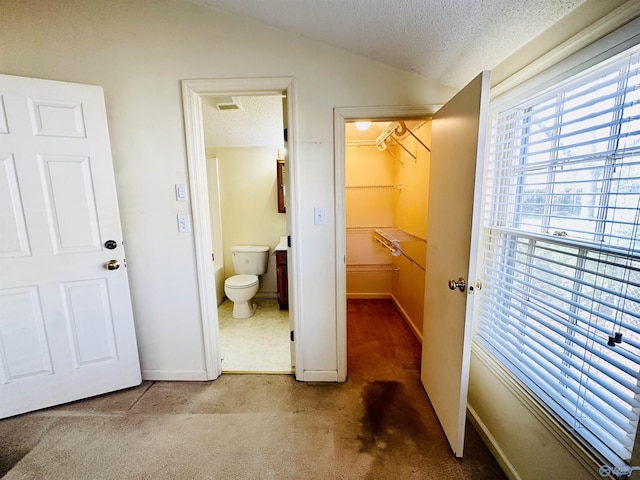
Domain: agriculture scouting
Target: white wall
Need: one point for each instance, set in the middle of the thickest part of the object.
(215, 222)
(249, 205)
(366, 209)
(139, 51)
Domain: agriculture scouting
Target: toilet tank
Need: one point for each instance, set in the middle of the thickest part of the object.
(250, 259)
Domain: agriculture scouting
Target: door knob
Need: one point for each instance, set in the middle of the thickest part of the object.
(112, 265)
(459, 284)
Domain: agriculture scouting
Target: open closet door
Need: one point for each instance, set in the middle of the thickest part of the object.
(458, 139)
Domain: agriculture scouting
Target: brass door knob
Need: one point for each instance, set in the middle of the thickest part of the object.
(112, 265)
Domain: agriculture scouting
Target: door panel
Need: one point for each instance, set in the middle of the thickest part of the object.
(458, 133)
(13, 241)
(90, 322)
(24, 350)
(66, 323)
(70, 203)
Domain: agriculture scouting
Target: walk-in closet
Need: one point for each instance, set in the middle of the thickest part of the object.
(387, 181)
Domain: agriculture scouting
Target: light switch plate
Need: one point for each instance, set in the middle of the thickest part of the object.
(319, 216)
(181, 192)
(184, 223)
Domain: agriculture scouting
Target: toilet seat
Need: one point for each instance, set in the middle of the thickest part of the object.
(241, 281)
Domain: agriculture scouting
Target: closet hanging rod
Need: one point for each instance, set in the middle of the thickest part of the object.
(360, 143)
(394, 247)
(371, 143)
(371, 267)
(364, 229)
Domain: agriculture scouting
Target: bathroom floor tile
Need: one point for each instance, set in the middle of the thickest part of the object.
(256, 344)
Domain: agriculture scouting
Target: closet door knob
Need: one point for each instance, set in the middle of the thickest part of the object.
(459, 284)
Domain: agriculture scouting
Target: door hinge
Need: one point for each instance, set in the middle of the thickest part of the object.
(292, 336)
(213, 259)
(286, 135)
(124, 262)
(289, 241)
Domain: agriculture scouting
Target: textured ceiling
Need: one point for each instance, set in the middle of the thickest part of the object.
(258, 123)
(449, 41)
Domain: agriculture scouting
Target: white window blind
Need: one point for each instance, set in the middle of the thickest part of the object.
(561, 251)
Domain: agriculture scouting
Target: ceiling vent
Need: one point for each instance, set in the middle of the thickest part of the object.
(227, 103)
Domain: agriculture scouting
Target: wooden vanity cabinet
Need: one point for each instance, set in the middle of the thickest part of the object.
(282, 279)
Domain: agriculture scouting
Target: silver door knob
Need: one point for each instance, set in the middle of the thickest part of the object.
(459, 284)
(112, 265)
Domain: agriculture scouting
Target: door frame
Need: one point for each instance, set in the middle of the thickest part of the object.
(340, 117)
(192, 93)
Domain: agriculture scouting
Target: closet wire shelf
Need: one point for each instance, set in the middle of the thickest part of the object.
(371, 267)
(392, 238)
(399, 187)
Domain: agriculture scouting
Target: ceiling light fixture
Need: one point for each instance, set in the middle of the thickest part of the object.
(362, 126)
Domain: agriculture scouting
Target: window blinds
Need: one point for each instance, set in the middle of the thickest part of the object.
(560, 250)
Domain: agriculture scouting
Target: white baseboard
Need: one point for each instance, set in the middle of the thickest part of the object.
(407, 319)
(373, 296)
(175, 375)
(320, 376)
(493, 446)
(389, 296)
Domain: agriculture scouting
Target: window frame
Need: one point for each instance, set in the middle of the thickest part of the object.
(549, 78)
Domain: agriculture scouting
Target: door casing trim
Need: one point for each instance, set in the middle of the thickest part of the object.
(340, 117)
(192, 93)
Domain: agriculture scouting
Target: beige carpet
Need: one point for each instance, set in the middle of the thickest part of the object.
(377, 425)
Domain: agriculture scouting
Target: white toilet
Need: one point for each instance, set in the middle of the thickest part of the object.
(249, 261)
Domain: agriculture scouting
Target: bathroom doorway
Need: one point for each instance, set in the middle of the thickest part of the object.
(245, 152)
(208, 231)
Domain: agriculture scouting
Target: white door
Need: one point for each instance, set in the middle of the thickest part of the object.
(66, 325)
(458, 139)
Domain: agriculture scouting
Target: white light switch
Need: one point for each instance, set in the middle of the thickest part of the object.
(319, 216)
(184, 223)
(181, 192)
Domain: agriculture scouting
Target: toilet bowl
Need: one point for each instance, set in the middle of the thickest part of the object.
(249, 261)
(240, 289)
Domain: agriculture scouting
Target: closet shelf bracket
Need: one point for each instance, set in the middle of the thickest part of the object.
(394, 131)
(402, 128)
